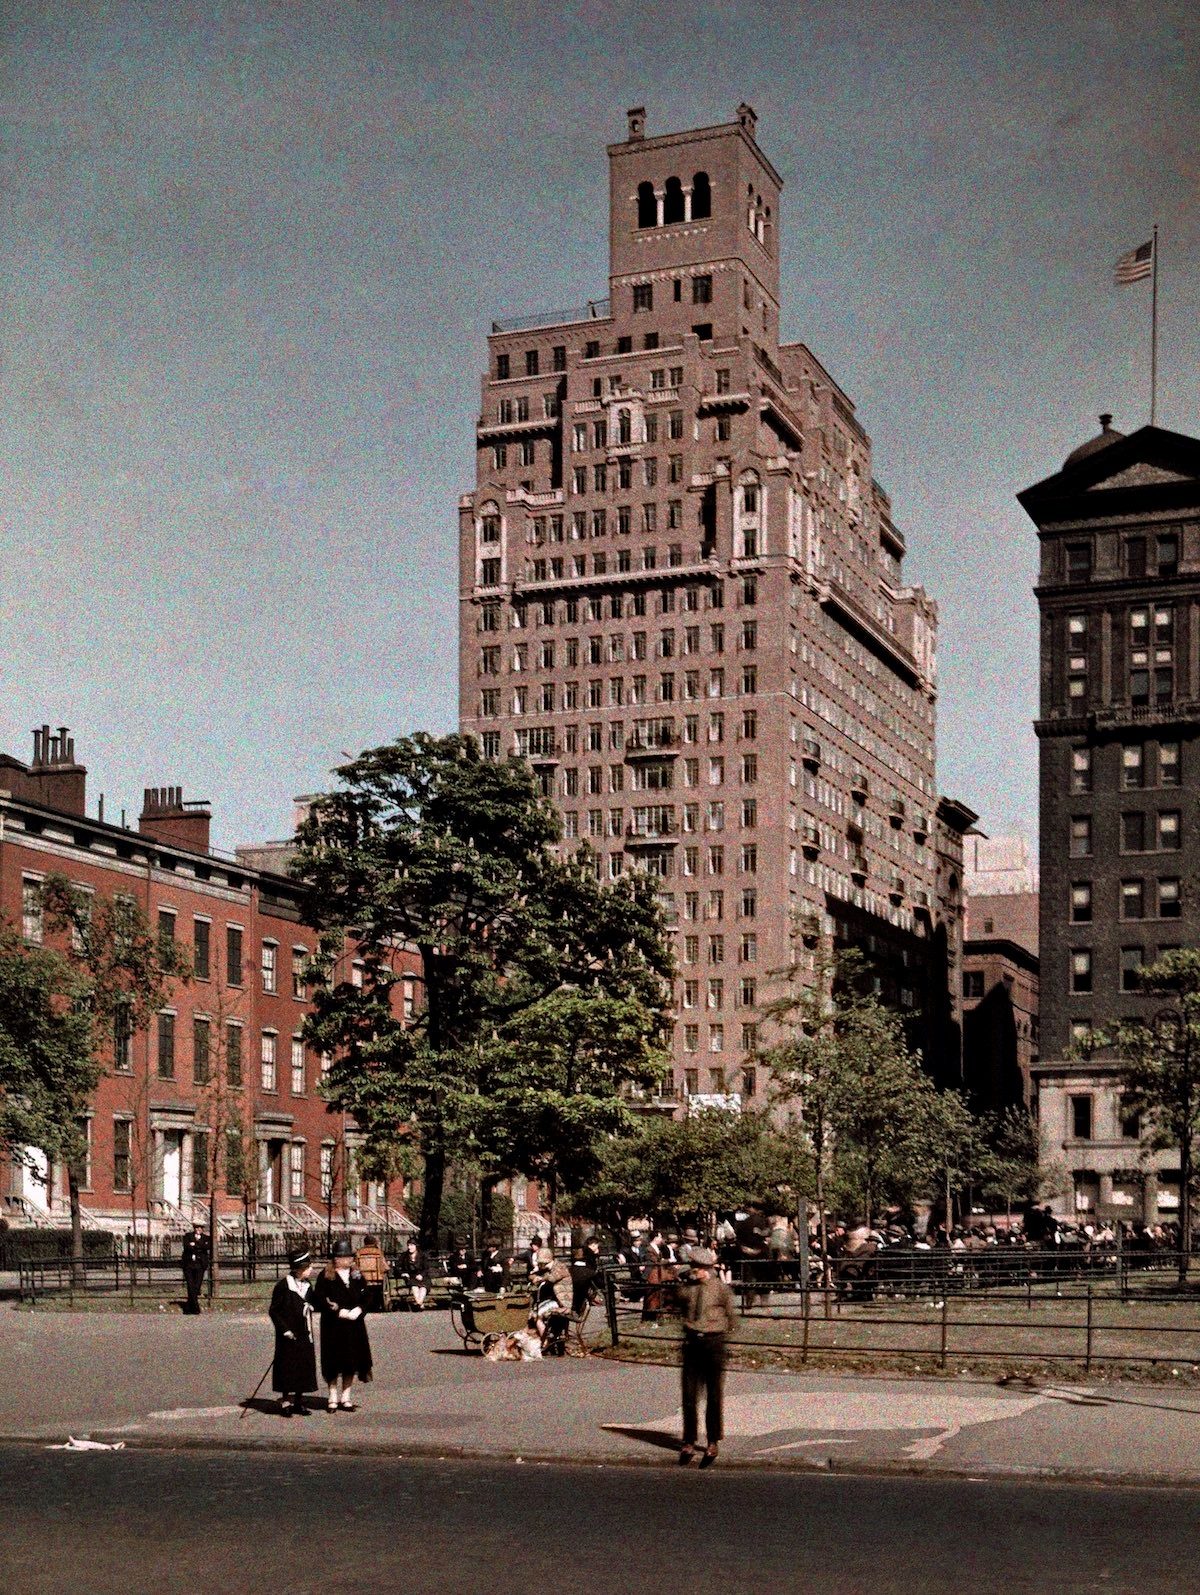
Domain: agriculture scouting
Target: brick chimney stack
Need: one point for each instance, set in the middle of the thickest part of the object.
(167, 818)
(54, 779)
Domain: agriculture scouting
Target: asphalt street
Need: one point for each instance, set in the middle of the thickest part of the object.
(134, 1521)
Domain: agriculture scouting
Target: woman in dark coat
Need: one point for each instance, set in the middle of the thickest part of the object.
(294, 1374)
(341, 1294)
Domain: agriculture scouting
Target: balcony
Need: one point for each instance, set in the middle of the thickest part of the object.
(641, 747)
(896, 887)
(856, 825)
(896, 812)
(860, 785)
(594, 310)
(810, 926)
(920, 827)
(921, 900)
(858, 866)
(811, 753)
(810, 838)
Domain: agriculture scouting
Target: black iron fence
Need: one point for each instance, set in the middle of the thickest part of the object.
(1131, 1311)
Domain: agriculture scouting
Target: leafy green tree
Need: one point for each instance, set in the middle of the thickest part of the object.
(1007, 1167)
(712, 1160)
(48, 1071)
(545, 992)
(1160, 1063)
(111, 972)
(876, 1126)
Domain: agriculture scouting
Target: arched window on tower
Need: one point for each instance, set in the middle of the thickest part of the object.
(647, 206)
(672, 201)
(701, 196)
(624, 427)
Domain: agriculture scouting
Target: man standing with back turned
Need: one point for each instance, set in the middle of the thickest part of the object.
(706, 1307)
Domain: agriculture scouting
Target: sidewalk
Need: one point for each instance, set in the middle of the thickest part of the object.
(166, 1380)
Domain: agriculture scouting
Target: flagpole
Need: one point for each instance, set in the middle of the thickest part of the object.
(1154, 331)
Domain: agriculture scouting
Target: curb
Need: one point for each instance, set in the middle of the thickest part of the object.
(828, 1467)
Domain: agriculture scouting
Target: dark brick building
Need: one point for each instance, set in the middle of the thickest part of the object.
(1119, 738)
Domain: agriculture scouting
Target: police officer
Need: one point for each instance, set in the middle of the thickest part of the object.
(195, 1265)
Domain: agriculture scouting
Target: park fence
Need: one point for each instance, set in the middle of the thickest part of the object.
(938, 1311)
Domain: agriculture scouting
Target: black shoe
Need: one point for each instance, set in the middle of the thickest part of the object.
(302, 1411)
(686, 1453)
(286, 1410)
(709, 1457)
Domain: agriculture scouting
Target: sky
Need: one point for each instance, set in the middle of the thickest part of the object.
(250, 253)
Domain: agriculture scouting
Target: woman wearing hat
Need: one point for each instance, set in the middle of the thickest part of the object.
(294, 1374)
(341, 1294)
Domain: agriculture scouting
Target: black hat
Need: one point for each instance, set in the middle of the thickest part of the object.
(298, 1256)
(343, 1249)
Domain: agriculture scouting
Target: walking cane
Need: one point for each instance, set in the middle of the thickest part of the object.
(249, 1399)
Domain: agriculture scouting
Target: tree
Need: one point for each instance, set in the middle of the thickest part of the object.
(876, 1126)
(713, 1160)
(427, 845)
(48, 1069)
(117, 973)
(1007, 1165)
(1160, 1065)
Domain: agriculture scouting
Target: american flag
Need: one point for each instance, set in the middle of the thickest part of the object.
(1138, 263)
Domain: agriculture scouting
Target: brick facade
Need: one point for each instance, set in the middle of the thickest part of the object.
(681, 597)
(160, 1093)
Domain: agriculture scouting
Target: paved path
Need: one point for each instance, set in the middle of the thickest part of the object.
(164, 1379)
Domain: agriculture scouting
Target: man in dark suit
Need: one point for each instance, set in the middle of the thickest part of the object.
(195, 1260)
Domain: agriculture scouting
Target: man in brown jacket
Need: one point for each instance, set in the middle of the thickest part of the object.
(706, 1307)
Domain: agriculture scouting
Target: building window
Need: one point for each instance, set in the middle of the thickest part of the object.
(1169, 905)
(1132, 766)
(201, 1051)
(1168, 764)
(1081, 970)
(1168, 831)
(972, 984)
(502, 367)
(200, 1182)
(296, 1176)
(1130, 1119)
(326, 1171)
(1134, 550)
(643, 296)
(270, 966)
(166, 1046)
(1079, 562)
(298, 1068)
(32, 918)
(122, 1039)
(1081, 903)
(702, 290)
(1133, 900)
(233, 955)
(1131, 968)
(233, 1054)
(202, 949)
(122, 1158)
(1133, 833)
(299, 975)
(531, 362)
(269, 1040)
(166, 929)
(1166, 553)
(1081, 1118)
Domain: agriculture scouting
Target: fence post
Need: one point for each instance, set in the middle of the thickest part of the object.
(1087, 1357)
(806, 1296)
(610, 1304)
(945, 1312)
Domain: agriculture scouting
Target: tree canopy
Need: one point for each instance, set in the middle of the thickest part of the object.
(545, 991)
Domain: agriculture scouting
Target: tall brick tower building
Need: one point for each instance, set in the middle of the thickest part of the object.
(681, 598)
(1119, 741)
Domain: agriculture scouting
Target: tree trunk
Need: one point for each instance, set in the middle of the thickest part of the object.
(432, 1186)
(1185, 1206)
(487, 1191)
(76, 1221)
(212, 1224)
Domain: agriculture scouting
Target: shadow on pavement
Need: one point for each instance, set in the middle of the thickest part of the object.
(657, 1437)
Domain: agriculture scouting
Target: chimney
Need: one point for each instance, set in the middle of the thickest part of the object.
(54, 779)
(748, 117)
(167, 818)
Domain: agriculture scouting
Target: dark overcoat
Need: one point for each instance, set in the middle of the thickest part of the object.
(295, 1368)
(345, 1344)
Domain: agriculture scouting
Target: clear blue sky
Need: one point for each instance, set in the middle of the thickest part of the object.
(250, 253)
